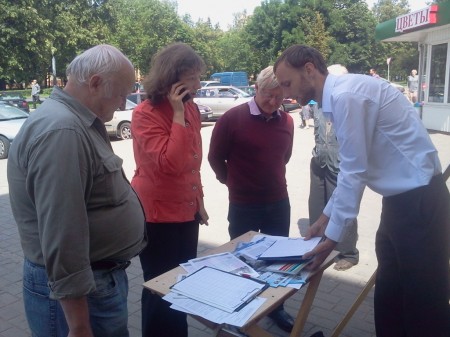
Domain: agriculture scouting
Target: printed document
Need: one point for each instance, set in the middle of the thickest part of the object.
(223, 290)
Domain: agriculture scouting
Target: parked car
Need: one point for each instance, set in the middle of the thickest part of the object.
(249, 90)
(120, 125)
(16, 100)
(11, 120)
(137, 97)
(209, 83)
(290, 104)
(205, 112)
(221, 99)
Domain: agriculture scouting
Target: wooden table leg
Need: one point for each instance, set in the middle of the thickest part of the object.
(302, 314)
(257, 331)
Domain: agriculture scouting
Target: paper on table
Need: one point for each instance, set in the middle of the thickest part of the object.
(286, 248)
(224, 261)
(223, 290)
(253, 249)
(237, 318)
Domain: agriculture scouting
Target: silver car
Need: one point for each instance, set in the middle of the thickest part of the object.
(11, 120)
(221, 98)
(120, 125)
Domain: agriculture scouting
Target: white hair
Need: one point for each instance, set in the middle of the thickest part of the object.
(266, 79)
(103, 60)
(337, 69)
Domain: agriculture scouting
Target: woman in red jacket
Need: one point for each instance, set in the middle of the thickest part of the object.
(168, 153)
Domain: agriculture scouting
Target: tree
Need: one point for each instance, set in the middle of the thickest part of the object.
(352, 27)
(144, 27)
(316, 34)
(34, 29)
(404, 55)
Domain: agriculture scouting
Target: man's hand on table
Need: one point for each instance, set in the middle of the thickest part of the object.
(324, 248)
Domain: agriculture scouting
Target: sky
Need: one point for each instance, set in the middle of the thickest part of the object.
(221, 11)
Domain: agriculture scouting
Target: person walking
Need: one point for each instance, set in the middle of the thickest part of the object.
(167, 148)
(35, 91)
(79, 220)
(383, 145)
(249, 149)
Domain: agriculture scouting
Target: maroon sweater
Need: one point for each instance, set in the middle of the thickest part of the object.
(249, 155)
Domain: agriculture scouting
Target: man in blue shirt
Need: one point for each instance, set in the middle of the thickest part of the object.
(383, 145)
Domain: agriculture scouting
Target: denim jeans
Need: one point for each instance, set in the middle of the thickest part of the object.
(108, 310)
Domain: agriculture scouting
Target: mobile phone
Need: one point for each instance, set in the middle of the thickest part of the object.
(186, 98)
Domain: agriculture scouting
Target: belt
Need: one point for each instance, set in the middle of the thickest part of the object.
(110, 265)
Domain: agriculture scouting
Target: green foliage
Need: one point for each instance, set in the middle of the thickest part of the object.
(404, 56)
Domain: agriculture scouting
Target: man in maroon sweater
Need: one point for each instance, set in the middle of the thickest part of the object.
(250, 147)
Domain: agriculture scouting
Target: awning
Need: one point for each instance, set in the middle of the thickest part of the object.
(386, 31)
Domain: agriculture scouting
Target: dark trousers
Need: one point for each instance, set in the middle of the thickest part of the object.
(270, 218)
(36, 99)
(323, 181)
(412, 246)
(169, 245)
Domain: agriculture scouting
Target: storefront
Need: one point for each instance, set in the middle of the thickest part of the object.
(430, 28)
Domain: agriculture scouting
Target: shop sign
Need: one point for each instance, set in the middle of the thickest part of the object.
(416, 19)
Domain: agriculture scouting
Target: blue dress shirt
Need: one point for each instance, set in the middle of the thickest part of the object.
(382, 144)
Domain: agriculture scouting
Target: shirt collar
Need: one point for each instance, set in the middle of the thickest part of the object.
(254, 109)
(330, 81)
(85, 115)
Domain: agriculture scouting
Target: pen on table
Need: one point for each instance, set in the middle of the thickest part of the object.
(252, 278)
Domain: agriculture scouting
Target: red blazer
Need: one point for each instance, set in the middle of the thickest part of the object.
(168, 157)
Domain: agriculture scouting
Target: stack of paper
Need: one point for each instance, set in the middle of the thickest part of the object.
(223, 261)
(223, 290)
(289, 249)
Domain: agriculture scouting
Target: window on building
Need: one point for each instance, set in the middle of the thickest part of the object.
(437, 73)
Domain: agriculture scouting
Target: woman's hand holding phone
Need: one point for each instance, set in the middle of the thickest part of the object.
(177, 96)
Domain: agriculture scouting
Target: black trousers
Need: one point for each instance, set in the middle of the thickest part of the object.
(169, 245)
(269, 218)
(412, 246)
(323, 182)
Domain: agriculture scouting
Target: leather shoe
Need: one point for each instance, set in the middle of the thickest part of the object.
(283, 320)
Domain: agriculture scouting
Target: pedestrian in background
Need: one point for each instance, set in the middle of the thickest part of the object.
(324, 170)
(305, 115)
(374, 73)
(167, 149)
(249, 149)
(384, 145)
(35, 91)
(80, 222)
(413, 85)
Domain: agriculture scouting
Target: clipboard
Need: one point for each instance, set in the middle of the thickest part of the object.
(226, 291)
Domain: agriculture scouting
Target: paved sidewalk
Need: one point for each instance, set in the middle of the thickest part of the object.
(336, 293)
